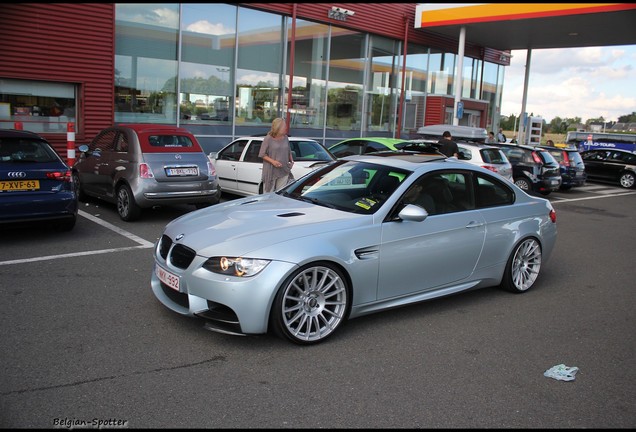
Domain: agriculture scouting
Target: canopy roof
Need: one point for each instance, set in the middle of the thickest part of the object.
(514, 26)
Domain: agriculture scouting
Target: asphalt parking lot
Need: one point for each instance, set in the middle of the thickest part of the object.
(85, 344)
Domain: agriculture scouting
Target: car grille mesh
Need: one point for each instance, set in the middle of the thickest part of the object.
(179, 256)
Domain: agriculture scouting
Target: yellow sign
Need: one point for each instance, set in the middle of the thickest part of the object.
(443, 14)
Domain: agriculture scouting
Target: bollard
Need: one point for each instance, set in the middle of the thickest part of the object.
(70, 145)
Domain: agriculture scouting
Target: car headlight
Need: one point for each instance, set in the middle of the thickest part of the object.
(235, 266)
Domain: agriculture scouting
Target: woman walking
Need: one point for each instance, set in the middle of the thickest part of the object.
(277, 157)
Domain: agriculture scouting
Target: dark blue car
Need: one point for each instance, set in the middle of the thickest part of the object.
(36, 185)
(571, 164)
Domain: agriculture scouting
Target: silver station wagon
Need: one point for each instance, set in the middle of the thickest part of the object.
(138, 166)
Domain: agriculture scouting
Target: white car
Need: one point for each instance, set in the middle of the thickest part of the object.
(239, 169)
(486, 156)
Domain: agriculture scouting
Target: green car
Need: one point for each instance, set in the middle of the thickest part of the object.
(358, 146)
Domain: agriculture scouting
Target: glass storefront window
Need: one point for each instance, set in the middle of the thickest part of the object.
(491, 93)
(442, 70)
(346, 80)
(259, 67)
(309, 89)
(415, 86)
(383, 84)
(207, 60)
(40, 106)
(471, 77)
(146, 37)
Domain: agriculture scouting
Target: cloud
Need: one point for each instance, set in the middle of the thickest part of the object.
(204, 26)
(587, 82)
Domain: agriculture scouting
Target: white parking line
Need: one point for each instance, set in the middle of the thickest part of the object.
(118, 230)
(143, 244)
(560, 200)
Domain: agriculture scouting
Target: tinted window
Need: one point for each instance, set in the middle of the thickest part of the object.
(441, 193)
(348, 149)
(556, 154)
(594, 155)
(104, 141)
(491, 193)
(515, 155)
(233, 151)
(309, 150)
(493, 156)
(575, 157)
(169, 141)
(547, 157)
(252, 152)
(25, 150)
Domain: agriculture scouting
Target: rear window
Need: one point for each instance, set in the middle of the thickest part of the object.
(547, 157)
(557, 154)
(575, 156)
(493, 156)
(26, 150)
(167, 143)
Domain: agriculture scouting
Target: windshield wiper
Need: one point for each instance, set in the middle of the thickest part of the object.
(316, 201)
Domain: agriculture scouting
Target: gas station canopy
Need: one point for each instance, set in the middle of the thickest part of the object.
(515, 26)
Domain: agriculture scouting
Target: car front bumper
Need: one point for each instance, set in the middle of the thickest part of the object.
(241, 305)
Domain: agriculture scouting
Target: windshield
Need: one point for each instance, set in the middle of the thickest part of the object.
(352, 186)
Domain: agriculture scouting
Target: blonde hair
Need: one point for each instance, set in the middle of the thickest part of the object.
(277, 126)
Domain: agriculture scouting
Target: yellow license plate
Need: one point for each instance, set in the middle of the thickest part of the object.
(19, 185)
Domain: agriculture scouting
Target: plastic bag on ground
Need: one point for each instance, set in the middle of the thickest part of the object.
(561, 372)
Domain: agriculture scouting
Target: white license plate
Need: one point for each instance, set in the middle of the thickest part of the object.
(168, 278)
(174, 172)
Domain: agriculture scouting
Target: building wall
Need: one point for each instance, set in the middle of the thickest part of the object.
(64, 42)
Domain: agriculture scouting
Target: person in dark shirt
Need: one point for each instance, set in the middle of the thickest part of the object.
(448, 146)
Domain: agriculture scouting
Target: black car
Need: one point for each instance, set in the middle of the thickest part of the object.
(36, 185)
(612, 165)
(533, 169)
(572, 166)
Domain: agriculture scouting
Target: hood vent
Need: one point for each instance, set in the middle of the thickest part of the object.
(291, 214)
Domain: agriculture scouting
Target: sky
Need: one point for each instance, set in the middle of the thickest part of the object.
(574, 82)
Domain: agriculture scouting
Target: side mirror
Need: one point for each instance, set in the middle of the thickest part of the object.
(413, 212)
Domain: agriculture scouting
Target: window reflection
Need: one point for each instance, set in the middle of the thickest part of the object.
(207, 59)
(258, 75)
(346, 78)
(383, 89)
(309, 89)
(146, 38)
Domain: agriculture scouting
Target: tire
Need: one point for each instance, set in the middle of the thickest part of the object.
(565, 188)
(523, 184)
(627, 179)
(126, 206)
(81, 196)
(523, 266)
(311, 304)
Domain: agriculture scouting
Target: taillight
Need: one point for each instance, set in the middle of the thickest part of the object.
(566, 160)
(211, 169)
(536, 158)
(553, 216)
(59, 175)
(145, 171)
